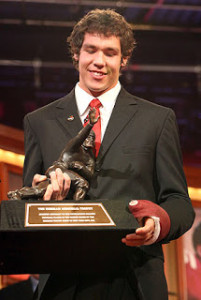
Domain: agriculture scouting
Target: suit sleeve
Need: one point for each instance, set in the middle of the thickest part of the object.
(172, 187)
(33, 159)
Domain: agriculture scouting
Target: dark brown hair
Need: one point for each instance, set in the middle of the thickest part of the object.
(106, 22)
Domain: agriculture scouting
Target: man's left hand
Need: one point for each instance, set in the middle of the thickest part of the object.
(142, 234)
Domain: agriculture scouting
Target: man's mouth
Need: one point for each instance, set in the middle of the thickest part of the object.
(98, 74)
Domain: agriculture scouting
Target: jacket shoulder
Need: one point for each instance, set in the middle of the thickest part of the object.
(49, 109)
(145, 104)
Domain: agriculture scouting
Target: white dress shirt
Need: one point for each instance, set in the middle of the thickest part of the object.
(108, 100)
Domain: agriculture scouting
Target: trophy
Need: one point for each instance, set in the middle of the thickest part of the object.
(77, 160)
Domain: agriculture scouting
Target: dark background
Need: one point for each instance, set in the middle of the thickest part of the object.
(36, 68)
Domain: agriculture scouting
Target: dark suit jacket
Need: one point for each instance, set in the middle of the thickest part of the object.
(18, 291)
(139, 158)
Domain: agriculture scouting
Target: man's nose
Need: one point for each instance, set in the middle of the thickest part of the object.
(99, 59)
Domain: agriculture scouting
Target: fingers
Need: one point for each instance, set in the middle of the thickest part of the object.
(141, 236)
(147, 229)
(38, 178)
(49, 193)
(66, 185)
(59, 187)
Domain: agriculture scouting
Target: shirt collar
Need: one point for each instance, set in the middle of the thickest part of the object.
(107, 99)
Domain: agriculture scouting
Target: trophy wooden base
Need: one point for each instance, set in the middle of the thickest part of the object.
(62, 247)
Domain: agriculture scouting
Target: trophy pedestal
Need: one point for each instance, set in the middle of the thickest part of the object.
(43, 248)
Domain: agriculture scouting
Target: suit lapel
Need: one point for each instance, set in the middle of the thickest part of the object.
(67, 115)
(124, 110)
(69, 120)
(42, 282)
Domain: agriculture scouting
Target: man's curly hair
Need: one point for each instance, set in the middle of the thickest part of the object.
(105, 22)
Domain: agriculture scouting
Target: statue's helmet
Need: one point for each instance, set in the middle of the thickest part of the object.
(90, 140)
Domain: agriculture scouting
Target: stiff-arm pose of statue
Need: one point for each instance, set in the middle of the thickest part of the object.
(77, 160)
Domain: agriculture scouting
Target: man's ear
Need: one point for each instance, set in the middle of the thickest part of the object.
(75, 57)
(124, 61)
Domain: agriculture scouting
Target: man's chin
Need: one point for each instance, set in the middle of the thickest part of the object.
(97, 91)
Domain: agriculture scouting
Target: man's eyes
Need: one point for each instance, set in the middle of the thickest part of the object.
(110, 53)
(90, 50)
(107, 53)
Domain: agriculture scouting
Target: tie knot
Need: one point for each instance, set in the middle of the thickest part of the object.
(95, 103)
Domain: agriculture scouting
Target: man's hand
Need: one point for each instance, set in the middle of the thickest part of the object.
(142, 235)
(59, 186)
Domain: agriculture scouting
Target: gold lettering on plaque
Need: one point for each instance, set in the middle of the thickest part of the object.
(66, 214)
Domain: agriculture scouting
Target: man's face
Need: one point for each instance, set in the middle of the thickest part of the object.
(99, 65)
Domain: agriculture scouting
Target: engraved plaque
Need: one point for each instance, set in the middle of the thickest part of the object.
(66, 214)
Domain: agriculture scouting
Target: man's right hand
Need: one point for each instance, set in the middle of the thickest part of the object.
(59, 186)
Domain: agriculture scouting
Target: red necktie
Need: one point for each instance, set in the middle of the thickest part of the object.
(95, 103)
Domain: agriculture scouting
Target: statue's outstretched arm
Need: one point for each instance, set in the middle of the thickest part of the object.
(79, 139)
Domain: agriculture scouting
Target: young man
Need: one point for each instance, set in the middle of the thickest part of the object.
(139, 158)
